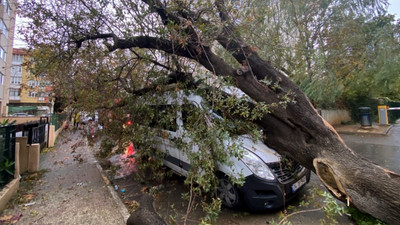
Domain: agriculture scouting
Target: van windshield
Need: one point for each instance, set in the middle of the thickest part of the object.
(235, 125)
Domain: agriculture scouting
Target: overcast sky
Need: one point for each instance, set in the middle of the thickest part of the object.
(394, 8)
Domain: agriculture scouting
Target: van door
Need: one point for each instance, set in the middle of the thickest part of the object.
(166, 120)
(189, 117)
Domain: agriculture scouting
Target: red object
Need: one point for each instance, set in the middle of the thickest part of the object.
(130, 150)
(66, 125)
(128, 122)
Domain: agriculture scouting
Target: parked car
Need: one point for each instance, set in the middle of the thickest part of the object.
(270, 181)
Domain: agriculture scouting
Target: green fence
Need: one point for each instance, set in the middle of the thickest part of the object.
(7, 154)
(57, 120)
(393, 114)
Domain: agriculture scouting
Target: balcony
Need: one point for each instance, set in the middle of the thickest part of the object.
(15, 98)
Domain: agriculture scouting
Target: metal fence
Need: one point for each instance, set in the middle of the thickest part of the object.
(394, 115)
(7, 154)
(57, 120)
(35, 131)
(37, 134)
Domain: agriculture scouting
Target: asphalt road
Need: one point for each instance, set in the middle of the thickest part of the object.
(382, 150)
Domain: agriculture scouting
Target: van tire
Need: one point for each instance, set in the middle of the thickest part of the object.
(228, 193)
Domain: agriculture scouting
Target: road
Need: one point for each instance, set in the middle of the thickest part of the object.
(382, 150)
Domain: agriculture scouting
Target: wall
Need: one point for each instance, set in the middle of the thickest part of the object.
(335, 117)
(53, 134)
(7, 45)
(23, 154)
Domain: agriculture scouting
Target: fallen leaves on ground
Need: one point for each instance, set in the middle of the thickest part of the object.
(78, 144)
(56, 162)
(132, 205)
(67, 140)
(78, 158)
(49, 149)
(32, 177)
(144, 189)
(10, 219)
(28, 197)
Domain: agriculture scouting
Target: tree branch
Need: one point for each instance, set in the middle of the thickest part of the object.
(80, 40)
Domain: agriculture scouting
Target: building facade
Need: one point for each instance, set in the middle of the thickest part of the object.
(7, 26)
(29, 93)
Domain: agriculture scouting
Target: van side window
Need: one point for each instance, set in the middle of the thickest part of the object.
(190, 116)
(164, 117)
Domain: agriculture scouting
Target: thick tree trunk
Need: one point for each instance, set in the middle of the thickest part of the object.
(299, 132)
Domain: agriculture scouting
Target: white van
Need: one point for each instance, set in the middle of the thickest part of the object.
(269, 182)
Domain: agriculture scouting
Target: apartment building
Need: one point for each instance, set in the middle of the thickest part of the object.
(7, 25)
(29, 93)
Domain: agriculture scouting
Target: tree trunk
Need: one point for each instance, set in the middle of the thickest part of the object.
(300, 133)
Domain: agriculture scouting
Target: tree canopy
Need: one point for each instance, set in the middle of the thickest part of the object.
(102, 53)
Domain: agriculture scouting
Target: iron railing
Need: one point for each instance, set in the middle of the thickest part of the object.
(57, 120)
(7, 154)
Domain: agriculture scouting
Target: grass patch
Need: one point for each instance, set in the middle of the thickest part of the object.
(363, 219)
(46, 150)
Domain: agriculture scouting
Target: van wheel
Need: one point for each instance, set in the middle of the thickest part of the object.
(228, 193)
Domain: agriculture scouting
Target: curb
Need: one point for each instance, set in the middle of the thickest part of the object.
(366, 131)
(122, 209)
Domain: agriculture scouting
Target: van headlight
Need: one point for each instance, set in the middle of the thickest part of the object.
(257, 166)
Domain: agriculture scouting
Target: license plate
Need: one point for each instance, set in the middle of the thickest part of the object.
(298, 184)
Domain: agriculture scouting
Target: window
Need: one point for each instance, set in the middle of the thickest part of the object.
(14, 92)
(1, 79)
(33, 83)
(44, 83)
(190, 116)
(18, 58)
(3, 28)
(6, 6)
(32, 94)
(16, 70)
(164, 118)
(19, 69)
(2, 54)
(16, 80)
(43, 94)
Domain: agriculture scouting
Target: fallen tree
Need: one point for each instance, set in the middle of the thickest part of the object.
(293, 127)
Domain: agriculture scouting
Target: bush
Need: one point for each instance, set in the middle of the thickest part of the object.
(106, 147)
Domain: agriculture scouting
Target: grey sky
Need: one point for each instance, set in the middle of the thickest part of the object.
(394, 8)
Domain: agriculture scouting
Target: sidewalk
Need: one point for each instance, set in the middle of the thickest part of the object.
(375, 129)
(73, 191)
